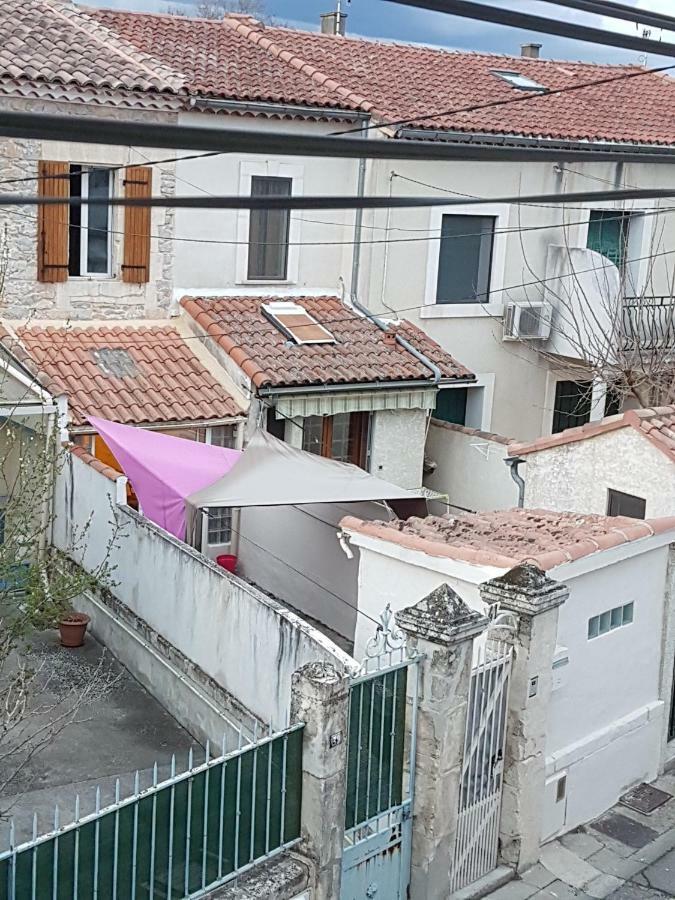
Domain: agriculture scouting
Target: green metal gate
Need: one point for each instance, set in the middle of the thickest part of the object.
(175, 839)
(380, 770)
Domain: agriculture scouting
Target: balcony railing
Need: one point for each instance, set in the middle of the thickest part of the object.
(648, 323)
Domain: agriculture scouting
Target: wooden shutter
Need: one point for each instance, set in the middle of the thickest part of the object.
(53, 222)
(136, 265)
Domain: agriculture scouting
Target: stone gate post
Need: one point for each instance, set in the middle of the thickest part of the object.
(320, 699)
(442, 627)
(535, 599)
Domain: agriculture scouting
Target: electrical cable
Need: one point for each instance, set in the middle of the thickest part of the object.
(486, 13)
(329, 321)
(335, 202)
(613, 10)
(202, 138)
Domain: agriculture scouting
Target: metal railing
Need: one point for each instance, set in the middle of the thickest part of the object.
(648, 323)
(177, 838)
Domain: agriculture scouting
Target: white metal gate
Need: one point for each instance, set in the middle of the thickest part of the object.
(480, 797)
(380, 770)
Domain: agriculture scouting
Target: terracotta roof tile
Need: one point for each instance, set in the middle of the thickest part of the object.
(51, 42)
(107, 471)
(506, 538)
(240, 58)
(656, 424)
(122, 374)
(360, 353)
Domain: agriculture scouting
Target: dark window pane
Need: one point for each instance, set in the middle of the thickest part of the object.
(608, 234)
(572, 405)
(464, 259)
(268, 231)
(97, 230)
(451, 405)
(75, 231)
(275, 427)
(620, 504)
(613, 401)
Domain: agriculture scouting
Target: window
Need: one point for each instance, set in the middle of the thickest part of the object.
(89, 247)
(610, 620)
(269, 231)
(295, 323)
(76, 241)
(572, 405)
(224, 436)
(608, 234)
(220, 526)
(521, 82)
(343, 437)
(276, 427)
(620, 504)
(451, 405)
(464, 259)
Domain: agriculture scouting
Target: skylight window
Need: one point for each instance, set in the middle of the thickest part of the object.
(297, 324)
(521, 82)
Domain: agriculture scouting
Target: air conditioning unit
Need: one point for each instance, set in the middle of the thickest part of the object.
(527, 321)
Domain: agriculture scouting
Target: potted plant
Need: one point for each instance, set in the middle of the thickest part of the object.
(72, 627)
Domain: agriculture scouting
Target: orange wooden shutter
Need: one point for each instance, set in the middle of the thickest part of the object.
(136, 265)
(53, 222)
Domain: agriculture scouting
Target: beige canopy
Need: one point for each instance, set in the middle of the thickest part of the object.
(273, 473)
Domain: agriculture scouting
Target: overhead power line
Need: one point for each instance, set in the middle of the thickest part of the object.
(333, 202)
(499, 16)
(194, 138)
(632, 14)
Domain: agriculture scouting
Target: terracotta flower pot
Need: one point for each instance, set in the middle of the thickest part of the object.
(72, 628)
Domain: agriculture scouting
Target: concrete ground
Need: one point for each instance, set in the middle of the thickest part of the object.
(623, 855)
(120, 729)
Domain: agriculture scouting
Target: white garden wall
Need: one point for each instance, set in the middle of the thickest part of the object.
(245, 641)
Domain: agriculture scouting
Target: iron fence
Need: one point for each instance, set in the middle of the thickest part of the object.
(178, 838)
(648, 323)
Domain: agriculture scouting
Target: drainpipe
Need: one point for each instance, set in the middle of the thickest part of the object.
(513, 462)
(402, 342)
(358, 221)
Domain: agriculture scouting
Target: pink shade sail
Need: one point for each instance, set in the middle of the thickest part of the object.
(164, 470)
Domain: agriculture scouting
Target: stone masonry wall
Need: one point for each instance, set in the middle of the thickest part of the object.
(23, 297)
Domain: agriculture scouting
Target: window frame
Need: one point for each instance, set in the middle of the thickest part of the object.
(359, 436)
(268, 169)
(254, 252)
(556, 412)
(501, 213)
(616, 496)
(85, 170)
(216, 514)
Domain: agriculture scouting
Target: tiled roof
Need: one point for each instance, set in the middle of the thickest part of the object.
(107, 471)
(133, 375)
(656, 424)
(243, 59)
(506, 538)
(361, 352)
(228, 58)
(51, 43)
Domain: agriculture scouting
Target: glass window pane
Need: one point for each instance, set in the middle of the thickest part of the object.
(464, 259)
(340, 443)
(628, 614)
(617, 617)
(594, 627)
(97, 229)
(608, 234)
(220, 526)
(268, 231)
(312, 434)
(451, 405)
(224, 436)
(605, 621)
(572, 404)
(75, 230)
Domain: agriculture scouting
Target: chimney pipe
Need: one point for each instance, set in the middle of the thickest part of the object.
(333, 23)
(530, 51)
